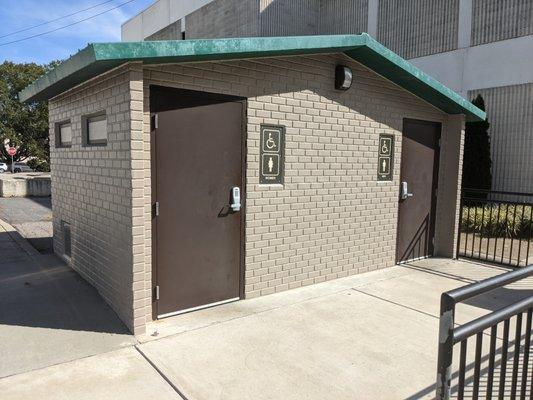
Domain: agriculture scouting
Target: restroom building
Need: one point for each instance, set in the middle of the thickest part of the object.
(190, 173)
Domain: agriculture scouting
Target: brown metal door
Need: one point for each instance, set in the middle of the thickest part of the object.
(198, 151)
(418, 184)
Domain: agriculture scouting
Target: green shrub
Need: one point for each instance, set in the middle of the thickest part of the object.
(39, 165)
(512, 222)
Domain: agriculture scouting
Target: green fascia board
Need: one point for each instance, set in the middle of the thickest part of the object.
(98, 58)
(388, 64)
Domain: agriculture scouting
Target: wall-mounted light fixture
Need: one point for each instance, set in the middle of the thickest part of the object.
(343, 77)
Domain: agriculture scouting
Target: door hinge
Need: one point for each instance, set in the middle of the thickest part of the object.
(155, 121)
(436, 191)
(156, 292)
(155, 210)
(439, 141)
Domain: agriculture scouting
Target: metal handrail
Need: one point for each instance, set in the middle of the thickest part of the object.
(480, 324)
(496, 192)
(448, 333)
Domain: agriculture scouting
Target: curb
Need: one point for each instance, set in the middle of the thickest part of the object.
(19, 239)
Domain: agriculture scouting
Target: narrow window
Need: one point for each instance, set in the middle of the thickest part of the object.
(63, 134)
(95, 129)
(67, 243)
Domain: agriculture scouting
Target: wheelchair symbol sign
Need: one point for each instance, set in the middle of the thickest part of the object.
(385, 146)
(271, 140)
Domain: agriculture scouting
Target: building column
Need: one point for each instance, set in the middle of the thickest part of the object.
(372, 24)
(449, 186)
(464, 35)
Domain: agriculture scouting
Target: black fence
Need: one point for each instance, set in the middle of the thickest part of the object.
(500, 370)
(496, 226)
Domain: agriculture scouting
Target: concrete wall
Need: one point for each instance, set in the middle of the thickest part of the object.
(170, 32)
(92, 186)
(418, 27)
(508, 98)
(503, 63)
(22, 185)
(494, 20)
(224, 18)
(239, 18)
(510, 113)
(343, 16)
(158, 16)
(331, 218)
(289, 17)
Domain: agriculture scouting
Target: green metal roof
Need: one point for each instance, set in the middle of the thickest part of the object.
(97, 58)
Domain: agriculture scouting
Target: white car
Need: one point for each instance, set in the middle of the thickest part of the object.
(3, 167)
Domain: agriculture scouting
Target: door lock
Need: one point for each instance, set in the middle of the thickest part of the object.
(235, 199)
(404, 192)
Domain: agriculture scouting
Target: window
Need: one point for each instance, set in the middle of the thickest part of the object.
(95, 129)
(63, 134)
(67, 244)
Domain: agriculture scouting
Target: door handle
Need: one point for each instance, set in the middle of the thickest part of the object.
(404, 191)
(235, 199)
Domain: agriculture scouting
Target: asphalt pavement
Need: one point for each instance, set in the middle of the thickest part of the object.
(32, 218)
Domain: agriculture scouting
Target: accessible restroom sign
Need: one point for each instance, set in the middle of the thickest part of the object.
(271, 154)
(385, 157)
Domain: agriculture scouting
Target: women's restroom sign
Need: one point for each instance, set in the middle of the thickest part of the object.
(271, 162)
(385, 157)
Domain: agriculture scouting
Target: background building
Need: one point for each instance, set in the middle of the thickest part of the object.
(472, 46)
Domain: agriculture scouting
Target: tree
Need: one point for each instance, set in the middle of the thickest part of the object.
(24, 125)
(476, 160)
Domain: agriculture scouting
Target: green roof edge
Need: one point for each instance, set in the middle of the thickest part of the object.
(424, 77)
(97, 58)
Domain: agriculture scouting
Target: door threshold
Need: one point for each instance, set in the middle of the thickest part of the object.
(197, 308)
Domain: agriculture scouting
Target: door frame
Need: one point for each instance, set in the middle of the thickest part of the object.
(184, 98)
(436, 171)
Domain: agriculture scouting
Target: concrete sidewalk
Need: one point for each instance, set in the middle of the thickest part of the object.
(48, 313)
(370, 336)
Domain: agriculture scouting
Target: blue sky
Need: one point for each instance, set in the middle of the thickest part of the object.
(20, 14)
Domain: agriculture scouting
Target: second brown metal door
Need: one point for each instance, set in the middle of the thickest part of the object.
(198, 152)
(418, 183)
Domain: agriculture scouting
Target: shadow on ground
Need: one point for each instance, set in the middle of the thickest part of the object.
(48, 313)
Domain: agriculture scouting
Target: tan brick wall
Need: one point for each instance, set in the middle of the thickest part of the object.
(92, 186)
(331, 218)
(449, 186)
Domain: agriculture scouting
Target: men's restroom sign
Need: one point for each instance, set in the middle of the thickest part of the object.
(385, 157)
(271, 155)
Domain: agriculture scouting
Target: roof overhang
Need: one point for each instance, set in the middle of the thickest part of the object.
(98, 58)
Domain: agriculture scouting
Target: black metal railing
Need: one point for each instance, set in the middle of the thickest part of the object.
(496, 226)
(506, 377)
